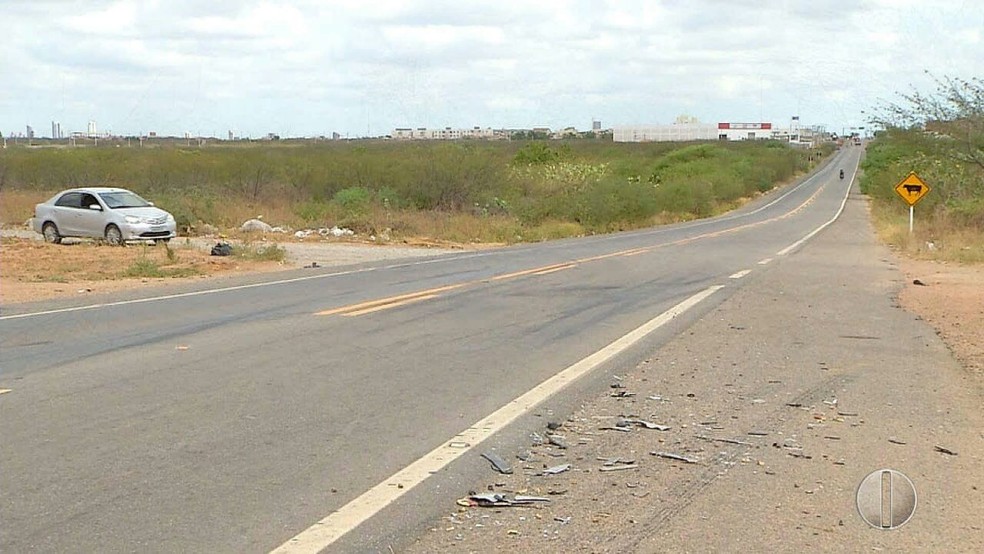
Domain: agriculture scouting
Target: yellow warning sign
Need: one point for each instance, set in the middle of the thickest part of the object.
(912, 189)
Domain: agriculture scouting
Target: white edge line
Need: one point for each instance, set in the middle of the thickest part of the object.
(813, 233)
(238, 287)
(329, 529)
(740, 274)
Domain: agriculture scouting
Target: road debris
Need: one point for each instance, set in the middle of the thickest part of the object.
(557, 469)
(729, 441)
(563, 520)
(622, 394)
(641, 423)
(558, 441)
(672, 456)
(894, 440)
(499, 500)
(618, 467)
(554, 425)
(847, 414)
(946, 451)
(758, 433)
(498, 463)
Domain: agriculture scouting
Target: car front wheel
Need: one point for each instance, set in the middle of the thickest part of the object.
(113, 236)
(51, 234)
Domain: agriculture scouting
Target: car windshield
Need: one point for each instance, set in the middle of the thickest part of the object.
(123, 199)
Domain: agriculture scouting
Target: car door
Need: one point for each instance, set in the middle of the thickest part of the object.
(65, 213)
(91, 223)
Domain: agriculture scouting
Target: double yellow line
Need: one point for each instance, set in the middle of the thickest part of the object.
(391, 302)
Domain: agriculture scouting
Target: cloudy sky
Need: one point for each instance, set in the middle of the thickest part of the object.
(303, 68)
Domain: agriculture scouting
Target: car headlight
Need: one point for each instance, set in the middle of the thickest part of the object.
(131, 219)
(170, 217)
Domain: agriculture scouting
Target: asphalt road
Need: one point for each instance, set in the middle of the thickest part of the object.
(232, 420)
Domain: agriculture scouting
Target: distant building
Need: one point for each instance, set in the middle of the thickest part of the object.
(231, 136)
(92, 128)
(693, 130)
(595, 125)
(447, 133)
(30, 132)
(56, 130)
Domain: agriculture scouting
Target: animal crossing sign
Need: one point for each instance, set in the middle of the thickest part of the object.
(912, 189)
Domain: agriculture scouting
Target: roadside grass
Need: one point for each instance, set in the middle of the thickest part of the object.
(263, 252)
(464, 192)
(949, 221)
(156, 262)
(934, 237)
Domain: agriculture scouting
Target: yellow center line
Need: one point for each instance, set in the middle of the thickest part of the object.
(390, 305)
(533, 271)
(553, 270)
(390, 300)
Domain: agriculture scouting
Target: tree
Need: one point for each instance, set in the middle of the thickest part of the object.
(954, 113)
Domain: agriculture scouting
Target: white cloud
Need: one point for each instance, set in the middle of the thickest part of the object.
(314, 67)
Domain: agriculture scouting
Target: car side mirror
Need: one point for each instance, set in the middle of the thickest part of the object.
(96, 207)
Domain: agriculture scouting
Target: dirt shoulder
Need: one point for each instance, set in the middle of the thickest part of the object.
(951, 299)
(31, 270)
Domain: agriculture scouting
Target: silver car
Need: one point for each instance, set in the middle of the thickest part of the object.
(116, 215)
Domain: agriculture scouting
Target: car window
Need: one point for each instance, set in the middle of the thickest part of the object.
(89, 200)
(123, 199)
(70, 200)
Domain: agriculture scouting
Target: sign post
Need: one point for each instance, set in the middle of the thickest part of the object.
(912, 189)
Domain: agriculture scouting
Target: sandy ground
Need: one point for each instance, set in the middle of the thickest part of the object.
(31, 270)
(951, 299)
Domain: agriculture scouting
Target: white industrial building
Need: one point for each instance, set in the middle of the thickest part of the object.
(694, 131)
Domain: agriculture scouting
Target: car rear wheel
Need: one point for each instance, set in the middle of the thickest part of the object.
(51, 234)
(113, 236)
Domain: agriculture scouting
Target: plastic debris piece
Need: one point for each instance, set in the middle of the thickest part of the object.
(894, 440)
(536, 438)
(729, 441)
(557, 440)
(615, 428)
(498, 463)
(557, 469)
(672, 456)
(847, 414)
(618, 467)
(563, 520)
(554, 425)
(622, 394)
(642, 423)
(527, 499)
(458, 444)
(758, 433)
(946, 451)
(525, 455)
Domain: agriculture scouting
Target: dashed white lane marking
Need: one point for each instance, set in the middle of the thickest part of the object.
(765, 261)
(329, 529)
(740, 274)
(4, 391)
